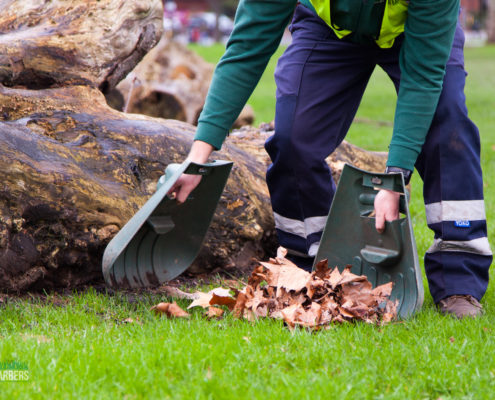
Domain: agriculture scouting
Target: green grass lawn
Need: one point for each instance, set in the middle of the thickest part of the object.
(79, 346)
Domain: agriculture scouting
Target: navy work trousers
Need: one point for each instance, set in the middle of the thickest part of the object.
(320, 82)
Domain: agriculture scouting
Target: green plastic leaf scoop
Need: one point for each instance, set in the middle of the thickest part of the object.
(164, 237)
(350, 237)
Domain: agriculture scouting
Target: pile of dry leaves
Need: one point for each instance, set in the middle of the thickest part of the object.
(279, 289)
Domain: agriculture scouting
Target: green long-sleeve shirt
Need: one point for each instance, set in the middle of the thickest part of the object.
(259, 25)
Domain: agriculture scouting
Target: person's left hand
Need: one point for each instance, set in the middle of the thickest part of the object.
(386, 208)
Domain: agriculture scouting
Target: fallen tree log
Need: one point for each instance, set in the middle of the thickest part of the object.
(170, 82)
(92, 42)
(76, 170)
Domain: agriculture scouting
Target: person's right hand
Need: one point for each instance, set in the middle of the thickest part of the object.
(199, 153)
(386, 208)
(184, 186)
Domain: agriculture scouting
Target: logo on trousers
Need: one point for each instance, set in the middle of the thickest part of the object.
(462, 223)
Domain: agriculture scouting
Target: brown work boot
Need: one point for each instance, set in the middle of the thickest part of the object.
(460, 306)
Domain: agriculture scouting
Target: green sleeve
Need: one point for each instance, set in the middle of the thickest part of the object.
(429, 32)
(258, 29)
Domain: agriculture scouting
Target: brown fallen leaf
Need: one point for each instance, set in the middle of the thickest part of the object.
(359, 292)
(348, 276)
(298, 298)
(289, 314)
(205, 299)
(240, 304)
(326, 317)
(257, 276)
(358, 310)
(160, 308)
(329, 303)
(170, 310)
(346, 314)
(310, 317)
(273, 270)
(335, 278)
(383, 290)
(292, 278)
(214, 312)
(201, 300)
(223, 301)
(258, 303)
(175, 311)
(322, 270)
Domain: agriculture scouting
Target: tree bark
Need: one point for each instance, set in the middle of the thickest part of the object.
(54, 43)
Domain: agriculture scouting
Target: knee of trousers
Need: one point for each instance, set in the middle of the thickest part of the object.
(451, 108)
(290, 150)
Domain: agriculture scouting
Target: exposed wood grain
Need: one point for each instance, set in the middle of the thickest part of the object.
(93, 42)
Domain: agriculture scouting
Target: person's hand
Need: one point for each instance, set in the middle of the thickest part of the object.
(386, 208)
(200, 151)
(184, 186)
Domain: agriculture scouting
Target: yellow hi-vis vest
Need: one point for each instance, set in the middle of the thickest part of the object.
(392, 23)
